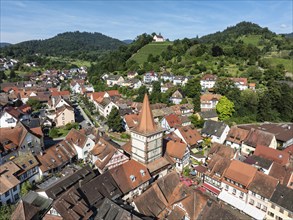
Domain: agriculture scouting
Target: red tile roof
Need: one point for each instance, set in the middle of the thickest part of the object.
(176, 149)
(190, 135)
(130, 175)
(240, 172)
(173, 120)
(278, 156)
(131, 120)
(209, 97)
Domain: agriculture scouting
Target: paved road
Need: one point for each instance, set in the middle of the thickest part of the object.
(82, 118)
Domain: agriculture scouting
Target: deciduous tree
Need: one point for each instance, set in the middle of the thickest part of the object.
(225, 108)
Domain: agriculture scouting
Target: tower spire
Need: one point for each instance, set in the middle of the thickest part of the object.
(146, 123)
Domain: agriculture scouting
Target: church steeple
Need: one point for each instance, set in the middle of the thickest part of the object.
(146, 137)
(146, 123)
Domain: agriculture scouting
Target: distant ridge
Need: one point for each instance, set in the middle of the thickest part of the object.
(67, 44)
(127, 41)
(4, 44)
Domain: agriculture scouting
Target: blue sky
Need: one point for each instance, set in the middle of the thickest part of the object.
(42, 19)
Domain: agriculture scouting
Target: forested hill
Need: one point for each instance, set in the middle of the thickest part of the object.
(233, 32)
(66, 44)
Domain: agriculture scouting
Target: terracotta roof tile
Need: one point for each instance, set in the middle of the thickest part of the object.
(240, 172)
(24, 211)
(263, 185)
(237, 135)
(258, 137)
(173, 120)
(76, 137)
(146, 119)
(278, 156)
(190, 135)
(176, 149)
(207, 97)
(130, 175)
(281, 173)
(131, 120)
(8, 178)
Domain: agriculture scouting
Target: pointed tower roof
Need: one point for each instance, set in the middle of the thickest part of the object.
(146, 123)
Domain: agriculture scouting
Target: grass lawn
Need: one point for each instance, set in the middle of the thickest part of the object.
(154, 48)
(250, 39)
(288, 64)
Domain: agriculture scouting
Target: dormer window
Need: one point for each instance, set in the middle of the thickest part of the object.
(142, 172)
(132, 178)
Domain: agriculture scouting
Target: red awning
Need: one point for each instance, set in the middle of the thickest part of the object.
(211, 188)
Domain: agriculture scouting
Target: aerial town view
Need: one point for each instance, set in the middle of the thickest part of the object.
(141, 110)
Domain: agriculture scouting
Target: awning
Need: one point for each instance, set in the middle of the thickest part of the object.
(232, 200)
(211, 188)
(254, 212)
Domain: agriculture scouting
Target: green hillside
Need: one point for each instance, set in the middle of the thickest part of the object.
(154, 48)
(83, 45)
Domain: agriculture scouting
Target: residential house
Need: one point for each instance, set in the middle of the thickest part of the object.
(166, 86)
(107, 154)
(64, 116)
(170, 122)
(255, 138)
(209, 101)
(282, 173)
(20, 138)
(177, 97)
(262, 164)
(150, 77)
(53, 188)
(130, 121)
(158, 38)
(160, 196)
(180, 80)
(179, 152)
(8, 150)
(189, 136)
(131, 75)
(275, 155)
(252, 86)
(108, 208)
(166, 76)
(213, 176)
(240, 83)
(56, 157)
(9, 184)
(235, 183)
(219, 159)
(183, 109)
(207, 115)
(60, 101)
(260, 191)
(216, 130)
(10, 116)
(236, 136)
(280, 204)
(25, 95)
(282, 131)
(100, 187)
(71, 205)
(114, 80)
(131, 177)
(29, 168)
(105, 106)
(132, 83)
(208, 81)
(76, 85)
(81, 143)
(31, 206)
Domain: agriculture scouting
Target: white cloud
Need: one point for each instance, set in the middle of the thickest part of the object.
(283, 26)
